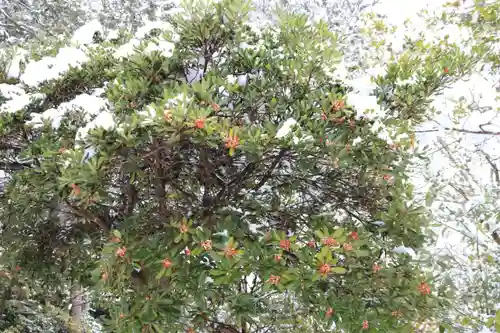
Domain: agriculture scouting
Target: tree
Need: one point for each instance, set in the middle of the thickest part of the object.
(468, 193)
(459, 182)
(224, 184)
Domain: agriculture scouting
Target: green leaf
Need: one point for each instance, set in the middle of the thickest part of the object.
(161, 274)
(362, 253)
(157, 328)
(339, 232)
(117, 233)
(339, 270)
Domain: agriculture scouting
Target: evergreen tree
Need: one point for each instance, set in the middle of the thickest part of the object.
(223, 184)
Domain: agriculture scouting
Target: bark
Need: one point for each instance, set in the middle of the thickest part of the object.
(77, 301)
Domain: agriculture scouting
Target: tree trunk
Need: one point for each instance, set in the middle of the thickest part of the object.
(77, 302)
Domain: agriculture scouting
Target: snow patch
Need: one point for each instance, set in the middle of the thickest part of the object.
(103, 120)
(405, 250)
(85, 34)
(150, 25)
(127, 49)
(163, 47)
(14, 68)
(286, 128)
(89, 105)
(50, 68)
(17, 98)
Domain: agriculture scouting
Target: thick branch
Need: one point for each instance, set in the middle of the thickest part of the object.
(269, 172)
(89, 216)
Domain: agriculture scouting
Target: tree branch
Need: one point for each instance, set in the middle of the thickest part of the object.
(269, 172)
(459, 130)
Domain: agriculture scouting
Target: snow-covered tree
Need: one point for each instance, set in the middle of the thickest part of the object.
(209, 176)
(465, 194)
(459, 182)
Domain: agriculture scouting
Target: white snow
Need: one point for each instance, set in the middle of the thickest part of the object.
(90, 106)
(357, 141)
(11, 91)
(85, 34)
(17, 98)
(103, 120)
(286, 128)
(127, 49)
(242, 79)
(378, 223)
(405, 250)
(150, 25)
(49, 68)
(164, 47)
(14, 68)
(113, 34)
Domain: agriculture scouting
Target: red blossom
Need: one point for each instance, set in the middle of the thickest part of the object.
(387, 177)
(274, 279)
(200, 123)
(376, 268)
(232, 141)
(424, 288)
(324, 269)
(167, 263)
(285, 244)
(229, 252)
(324, 116)
(187, 251)
(277, 257)
(347, 246)
(338, 105)
(365, 325)
(215, 107)
(207, 245)
(311, 244)
(18, 268)
(183, 229)
(446, 70)
(329, 312)
(330, 241)
(354, 235)
(120, 252)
